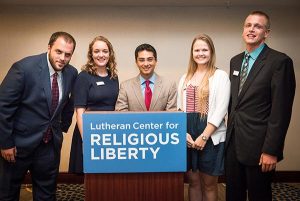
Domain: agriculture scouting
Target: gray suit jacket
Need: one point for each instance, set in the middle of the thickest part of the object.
(131, 98)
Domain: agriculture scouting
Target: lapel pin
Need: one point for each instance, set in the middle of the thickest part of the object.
(236, 73)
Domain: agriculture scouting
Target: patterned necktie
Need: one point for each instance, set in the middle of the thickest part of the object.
(148, 95)
(54, 93)
(54, 102)
(244, 72)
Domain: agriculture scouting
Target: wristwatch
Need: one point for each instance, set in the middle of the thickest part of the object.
(204, 138)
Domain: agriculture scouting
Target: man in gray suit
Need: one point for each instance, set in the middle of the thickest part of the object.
(148, 91)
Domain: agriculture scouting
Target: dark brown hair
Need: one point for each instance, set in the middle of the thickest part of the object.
(67, 37)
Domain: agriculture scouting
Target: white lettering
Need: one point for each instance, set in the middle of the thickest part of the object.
(121, 153)
(154, 141)
(154, 152)
(93, 157)
(110, 153)
(95, 138)
(106, 139)
(175, 138)
(132, 152)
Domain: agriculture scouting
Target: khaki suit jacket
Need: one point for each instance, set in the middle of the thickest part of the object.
(164, 95)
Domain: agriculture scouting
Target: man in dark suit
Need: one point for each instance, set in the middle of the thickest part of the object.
(262, 94)
(35, 108)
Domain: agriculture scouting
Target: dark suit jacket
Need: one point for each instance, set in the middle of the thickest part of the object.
(131, 98)
(261, 114)
(25, 101)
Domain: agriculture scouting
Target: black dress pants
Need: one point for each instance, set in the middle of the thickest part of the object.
(43, 165)
(244, 181)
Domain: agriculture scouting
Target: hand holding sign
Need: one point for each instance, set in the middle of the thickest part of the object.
(189, 140)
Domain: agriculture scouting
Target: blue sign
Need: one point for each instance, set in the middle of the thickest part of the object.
(134, 142)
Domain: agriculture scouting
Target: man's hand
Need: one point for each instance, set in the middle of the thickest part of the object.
(9, 154)
(267, 162)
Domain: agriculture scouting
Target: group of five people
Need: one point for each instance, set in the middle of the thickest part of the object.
(257, 96)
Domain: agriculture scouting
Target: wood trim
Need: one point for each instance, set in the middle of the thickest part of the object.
(167, 186)
(67, 178)
(287, 176)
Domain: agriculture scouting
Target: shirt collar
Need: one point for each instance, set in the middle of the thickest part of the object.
(256, 52)
(51, 70)
(151, 79)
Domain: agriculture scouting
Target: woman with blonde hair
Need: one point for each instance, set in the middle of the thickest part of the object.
(203, 93)
(96, 89)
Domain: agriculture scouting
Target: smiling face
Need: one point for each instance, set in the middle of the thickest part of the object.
(146, 63)
(100, 54)
(60, 53)
(201, 53)
(255, 31)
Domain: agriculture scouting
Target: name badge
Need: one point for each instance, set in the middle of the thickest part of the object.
(236, 73)
(100, 83)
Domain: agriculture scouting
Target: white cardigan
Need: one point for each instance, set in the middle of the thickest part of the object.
(219, 94)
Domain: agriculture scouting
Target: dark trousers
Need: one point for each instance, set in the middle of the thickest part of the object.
(43, 165)
(244, 181)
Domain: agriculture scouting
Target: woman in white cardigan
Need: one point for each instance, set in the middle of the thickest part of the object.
(204, 94)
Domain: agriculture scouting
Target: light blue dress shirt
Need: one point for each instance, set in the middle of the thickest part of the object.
(253, 56)
(143, 83)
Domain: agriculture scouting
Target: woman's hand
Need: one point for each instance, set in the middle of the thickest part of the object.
(189, 141)
(200, 142)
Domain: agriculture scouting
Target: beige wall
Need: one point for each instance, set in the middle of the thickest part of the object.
(25, 31)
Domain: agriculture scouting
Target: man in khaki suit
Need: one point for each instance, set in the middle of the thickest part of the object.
(134, 93)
